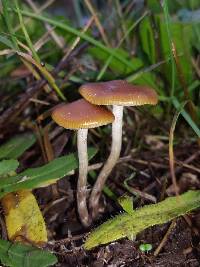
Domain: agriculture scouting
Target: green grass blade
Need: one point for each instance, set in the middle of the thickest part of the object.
(104, 68)
(8, 21)
(78, 33)
(187, 117)
(28, 39)
(167, 21)
(4, 40)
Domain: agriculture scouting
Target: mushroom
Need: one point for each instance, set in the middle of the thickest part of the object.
(82, 115)
(118, 93)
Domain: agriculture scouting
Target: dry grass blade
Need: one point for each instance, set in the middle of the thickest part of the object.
(196, 67)
(97, 21)
(164, 240)
(45, 73)
(77, 40)
(123, 25)
(171, 150)
(6, 52)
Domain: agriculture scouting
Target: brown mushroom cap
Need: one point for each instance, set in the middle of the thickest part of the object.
(81, 115)
(118, 92)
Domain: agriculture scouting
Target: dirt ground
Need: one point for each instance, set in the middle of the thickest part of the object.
(175, 243)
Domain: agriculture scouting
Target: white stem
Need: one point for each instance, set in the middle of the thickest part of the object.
(111, 161)
(82, 180)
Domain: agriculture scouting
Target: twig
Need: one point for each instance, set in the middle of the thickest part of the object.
(99, 165)
(138, 192)
(154, 164)
(77, 40)
(123, 25)
(41, 102)
(66, 240)
(98, 23)
(168, 174)
(196, 67)
(3, 228)
(52, 204)
(185, 165)
(164, 240)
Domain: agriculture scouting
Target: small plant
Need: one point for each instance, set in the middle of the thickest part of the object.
(145, 247)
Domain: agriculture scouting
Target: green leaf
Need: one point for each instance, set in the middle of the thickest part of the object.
(154, 6)
(181, 34)
(16, 146)
(26, 35)
(126, 203)
(18, 255)
(129, 225)
(115, 64)
(7, 166)
(6, 42)
(196, 35)
(147, 39)
(35, 177)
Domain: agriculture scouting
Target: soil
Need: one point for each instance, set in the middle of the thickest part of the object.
(153, 178)
(145, 156)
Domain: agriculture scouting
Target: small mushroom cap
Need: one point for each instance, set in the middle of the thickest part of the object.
(81, 115)
(118, 92)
